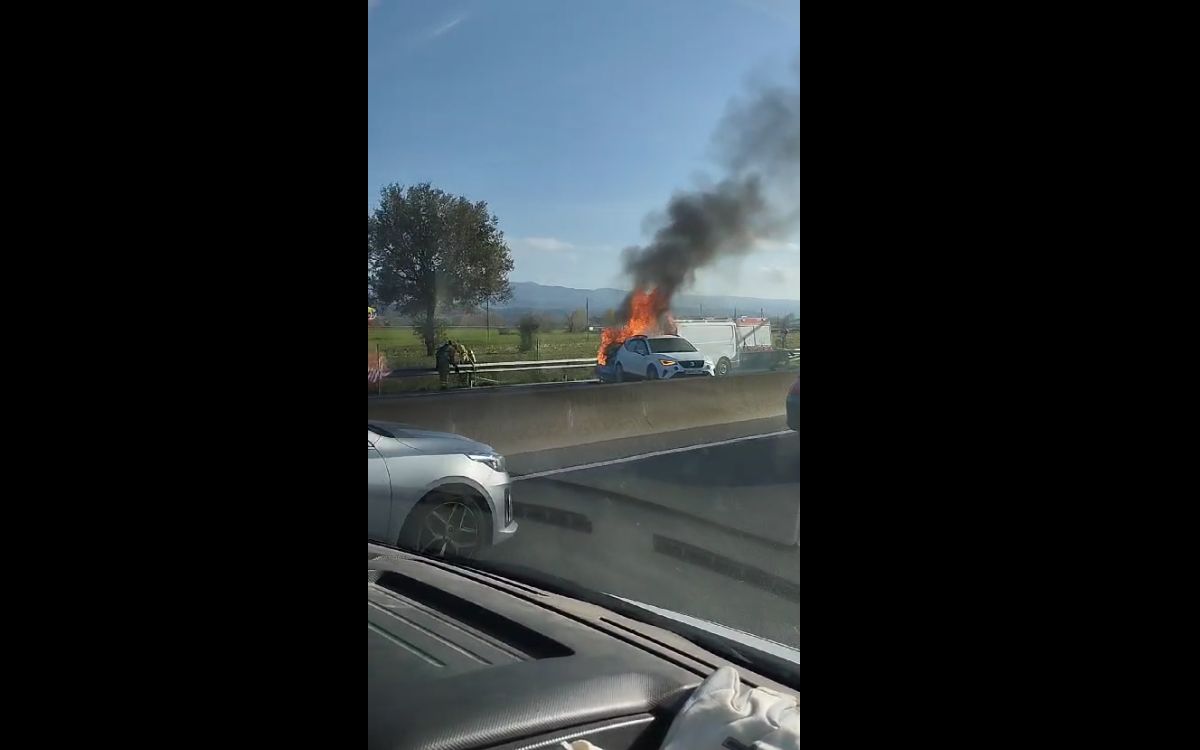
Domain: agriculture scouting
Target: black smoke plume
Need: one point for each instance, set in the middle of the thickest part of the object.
(757, 144)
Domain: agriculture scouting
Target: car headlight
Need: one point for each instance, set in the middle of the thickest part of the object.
(495, 461)
(666, 362)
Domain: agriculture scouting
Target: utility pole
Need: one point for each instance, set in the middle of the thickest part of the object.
(587, 312)
(487, 319)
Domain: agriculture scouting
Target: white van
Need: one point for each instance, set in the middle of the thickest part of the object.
(723, 340)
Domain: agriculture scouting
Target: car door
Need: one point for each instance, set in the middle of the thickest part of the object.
(411, 472)
(644, 359)
(633, 358)
(379, 494)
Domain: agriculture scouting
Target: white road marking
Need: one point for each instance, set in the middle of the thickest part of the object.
(652, 454)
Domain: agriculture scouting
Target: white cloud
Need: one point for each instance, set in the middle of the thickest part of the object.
(439, 30)
(540, 244)
(762, 274)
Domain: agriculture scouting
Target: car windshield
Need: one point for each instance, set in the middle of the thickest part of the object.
(660, 346)
(547, 181)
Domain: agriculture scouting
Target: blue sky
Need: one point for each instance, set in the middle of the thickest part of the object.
(573, 119)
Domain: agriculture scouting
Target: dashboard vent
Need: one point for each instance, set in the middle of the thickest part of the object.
(472, 615)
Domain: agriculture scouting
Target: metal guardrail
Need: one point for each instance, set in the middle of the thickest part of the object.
(521, 366)
(486, 367)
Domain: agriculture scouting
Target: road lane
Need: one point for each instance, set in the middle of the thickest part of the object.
(711, 533)
(644, 456)
(588, 452)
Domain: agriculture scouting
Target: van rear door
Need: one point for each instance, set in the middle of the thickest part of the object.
(713, 340)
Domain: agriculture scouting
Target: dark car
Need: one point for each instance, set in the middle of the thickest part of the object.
(793, 405)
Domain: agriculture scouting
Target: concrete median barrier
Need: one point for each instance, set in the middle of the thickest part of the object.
(521, 420)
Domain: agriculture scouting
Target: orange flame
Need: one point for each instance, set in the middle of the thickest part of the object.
(647, 312)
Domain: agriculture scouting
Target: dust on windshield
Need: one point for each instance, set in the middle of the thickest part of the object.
(544, 182)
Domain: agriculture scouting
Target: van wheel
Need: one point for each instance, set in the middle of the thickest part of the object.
(620, 373)
(722, 367)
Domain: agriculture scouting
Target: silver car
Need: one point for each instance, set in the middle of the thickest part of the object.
(435, 492)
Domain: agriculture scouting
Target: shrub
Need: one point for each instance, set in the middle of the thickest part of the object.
(528, 326)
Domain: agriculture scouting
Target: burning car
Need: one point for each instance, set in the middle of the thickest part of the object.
(647, 346)
(661, 357)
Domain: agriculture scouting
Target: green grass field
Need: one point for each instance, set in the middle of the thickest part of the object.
(404, 349)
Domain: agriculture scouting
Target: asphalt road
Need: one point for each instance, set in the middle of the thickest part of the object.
(711, 532)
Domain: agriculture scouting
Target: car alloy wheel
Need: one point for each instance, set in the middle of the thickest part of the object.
(449, 530)
(651, 373)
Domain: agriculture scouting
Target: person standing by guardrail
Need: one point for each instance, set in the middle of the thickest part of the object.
(464, 356)
(444, 354)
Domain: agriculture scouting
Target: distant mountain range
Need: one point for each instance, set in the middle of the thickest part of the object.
(532, 297)
(554, 301)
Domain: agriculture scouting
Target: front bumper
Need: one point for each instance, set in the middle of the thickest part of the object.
(504, 522)
(678, 371)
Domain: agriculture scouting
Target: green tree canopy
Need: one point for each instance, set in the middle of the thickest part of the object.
(429, 251)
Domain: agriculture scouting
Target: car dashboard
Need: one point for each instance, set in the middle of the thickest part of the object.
(458, 659)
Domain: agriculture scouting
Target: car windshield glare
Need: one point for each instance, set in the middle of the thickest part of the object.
(659, 346)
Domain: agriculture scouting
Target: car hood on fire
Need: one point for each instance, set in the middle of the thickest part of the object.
(685, 356)
(426, 441)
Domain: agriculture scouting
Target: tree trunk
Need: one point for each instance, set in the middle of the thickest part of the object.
(430, 330)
